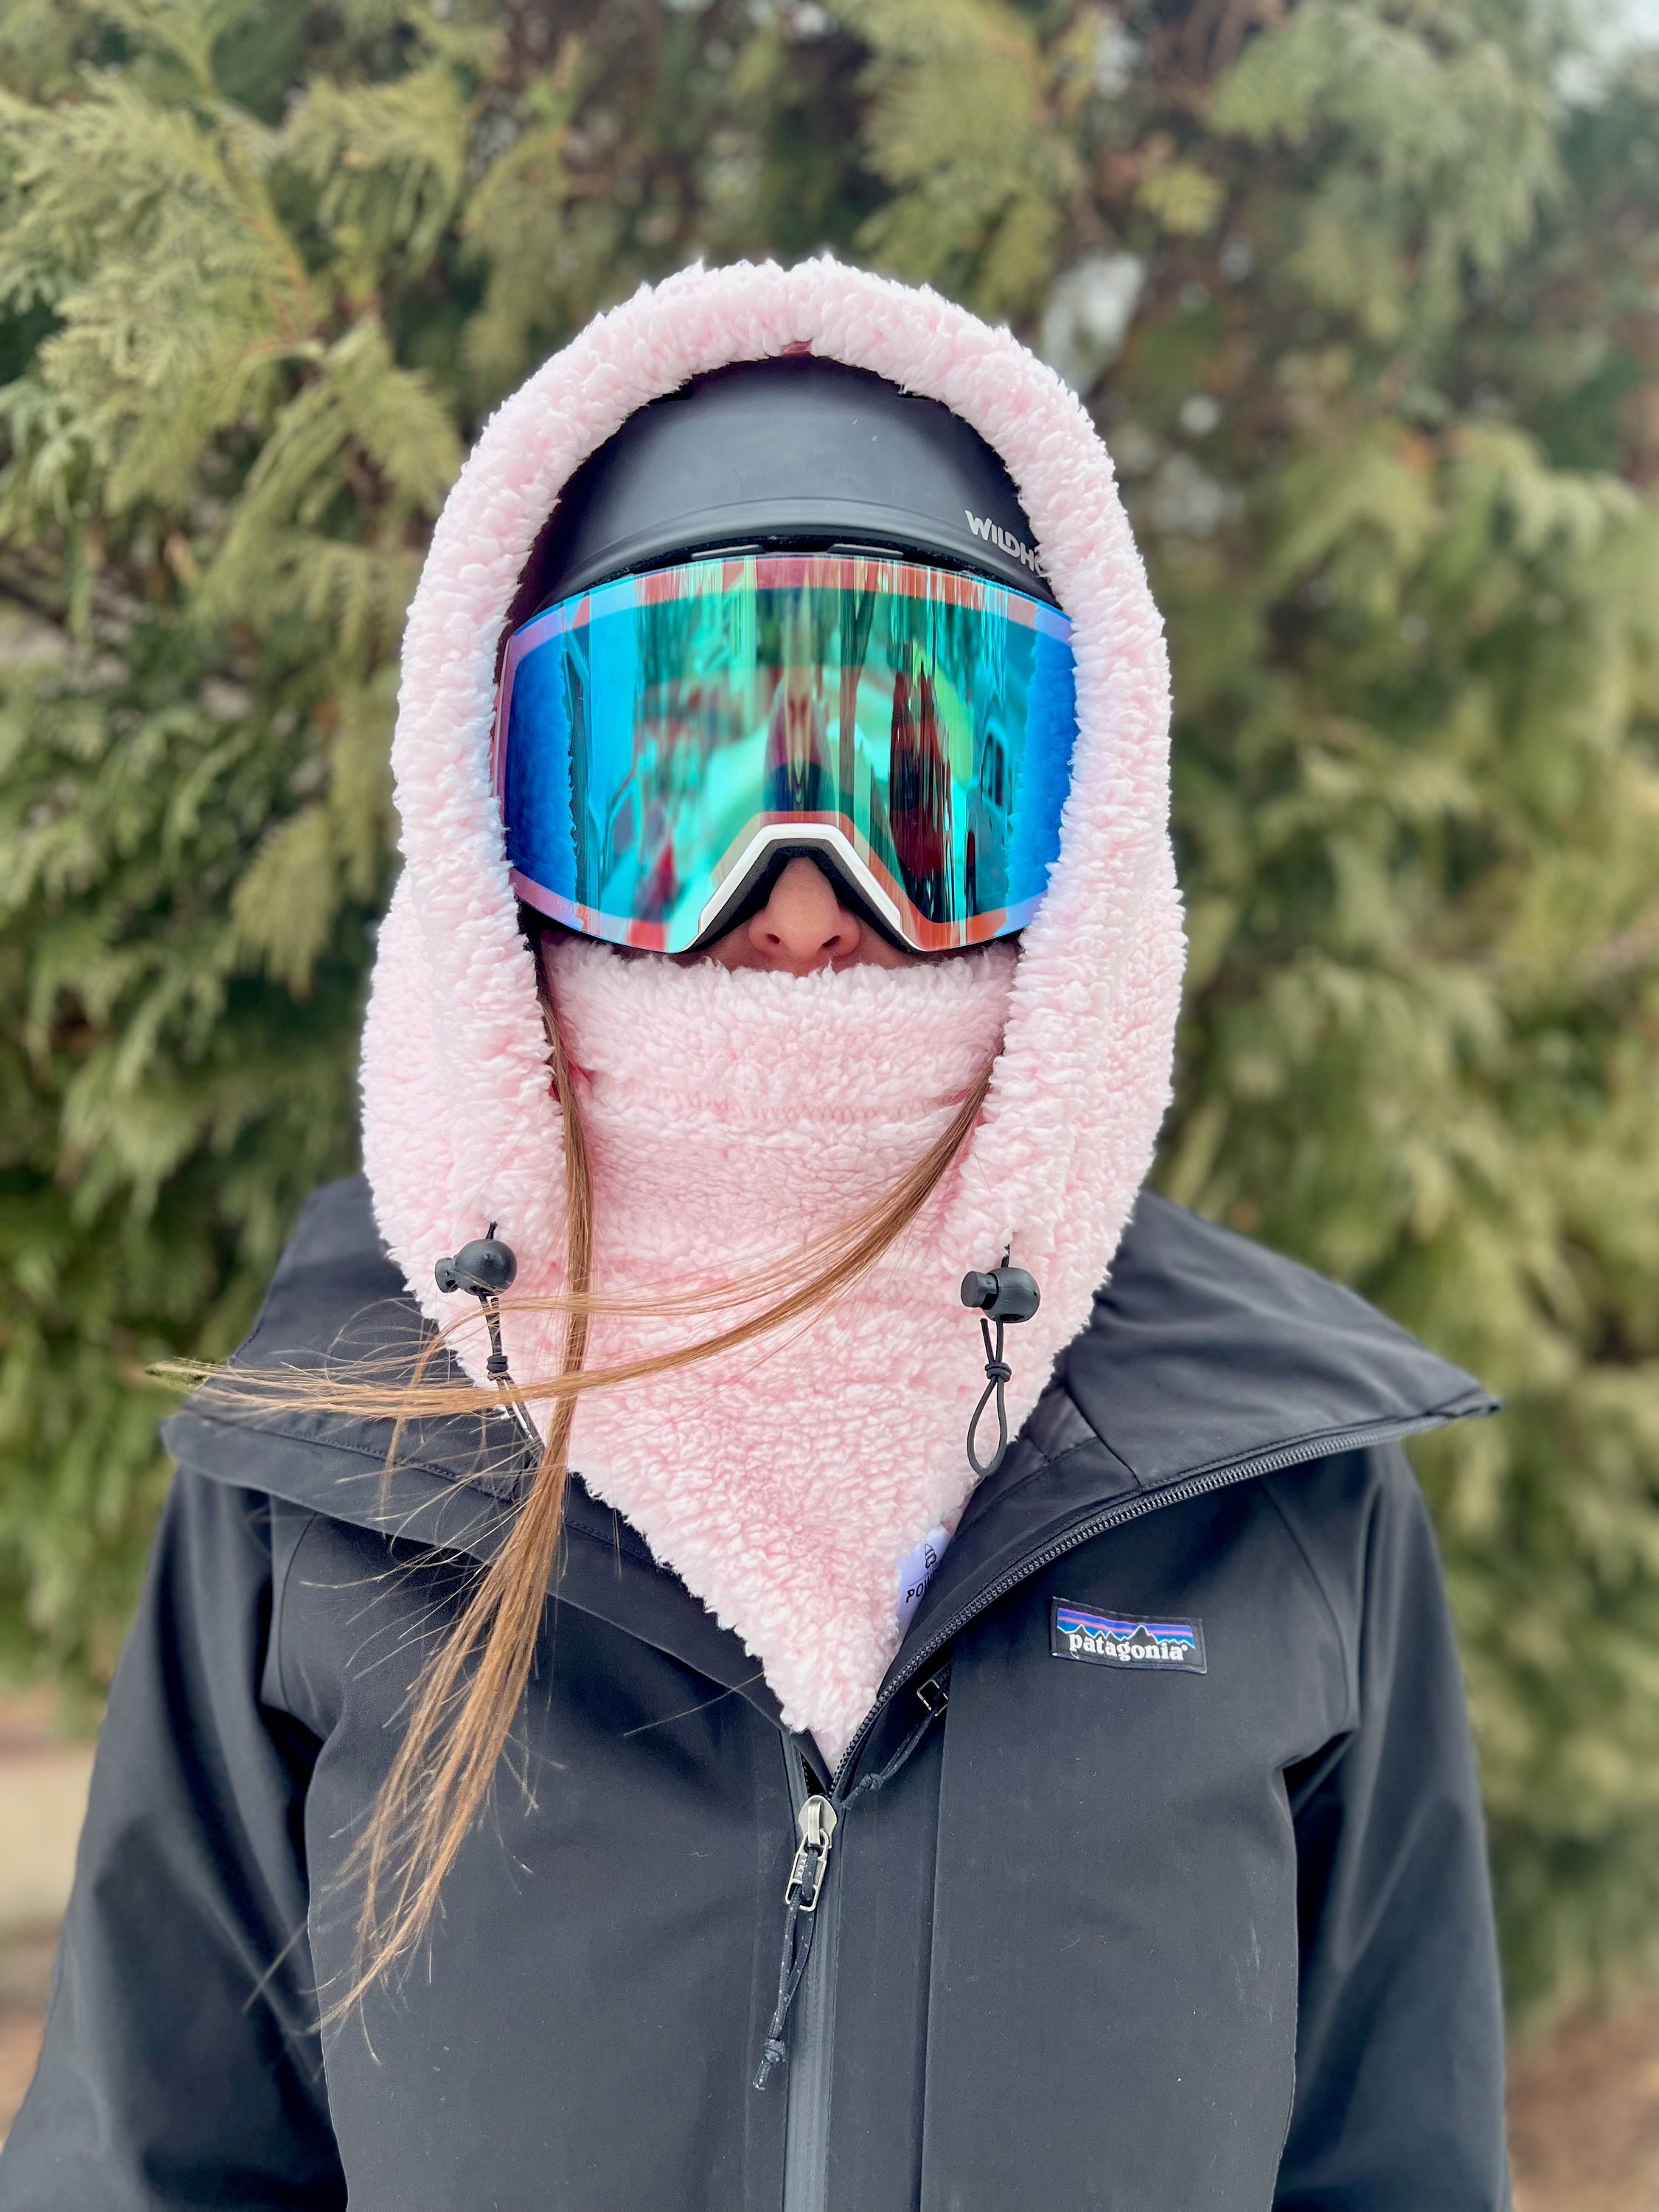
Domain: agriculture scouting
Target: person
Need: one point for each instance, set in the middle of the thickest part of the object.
(757, 1624)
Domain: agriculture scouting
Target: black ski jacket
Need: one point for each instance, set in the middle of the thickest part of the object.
(1158, 1883)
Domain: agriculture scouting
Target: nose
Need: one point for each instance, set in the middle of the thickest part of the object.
(804, 926)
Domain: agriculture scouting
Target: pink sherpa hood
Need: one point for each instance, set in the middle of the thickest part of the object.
(459, 1128)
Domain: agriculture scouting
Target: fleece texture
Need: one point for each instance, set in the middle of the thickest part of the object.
(459, 1128)
(729, 1118)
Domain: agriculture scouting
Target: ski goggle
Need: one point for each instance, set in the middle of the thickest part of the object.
(661, 741)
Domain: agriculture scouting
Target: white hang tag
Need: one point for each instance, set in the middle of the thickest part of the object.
(915, 1571)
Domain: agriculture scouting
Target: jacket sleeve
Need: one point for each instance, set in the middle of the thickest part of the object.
(1399, 2104)
(181, 2068)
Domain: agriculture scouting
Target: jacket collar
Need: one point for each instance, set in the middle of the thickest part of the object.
(1207, 1358)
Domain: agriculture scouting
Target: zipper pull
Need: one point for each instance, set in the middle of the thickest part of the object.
(815, 1827)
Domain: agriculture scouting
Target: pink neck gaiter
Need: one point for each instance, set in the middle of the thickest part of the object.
(732, 1119)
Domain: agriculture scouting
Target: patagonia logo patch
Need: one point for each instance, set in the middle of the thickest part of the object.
(1125, 1639)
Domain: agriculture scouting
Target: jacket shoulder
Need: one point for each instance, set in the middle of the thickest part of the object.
(1203, 1346)
(333, 1266)
(337, 1300)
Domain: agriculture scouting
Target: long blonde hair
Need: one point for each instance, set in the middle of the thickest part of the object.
(465, 1699)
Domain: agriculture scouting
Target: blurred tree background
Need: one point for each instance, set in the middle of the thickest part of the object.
(1364, 295)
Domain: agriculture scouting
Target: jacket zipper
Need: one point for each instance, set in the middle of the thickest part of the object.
(807, 2123)
(807, 2133)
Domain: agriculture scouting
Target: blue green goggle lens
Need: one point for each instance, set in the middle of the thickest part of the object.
(657, 738)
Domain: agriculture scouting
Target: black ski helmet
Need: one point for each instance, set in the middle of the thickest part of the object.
(796, 451)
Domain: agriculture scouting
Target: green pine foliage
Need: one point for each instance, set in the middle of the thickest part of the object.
(1365, 310)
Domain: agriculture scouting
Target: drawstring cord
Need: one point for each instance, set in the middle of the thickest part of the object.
(1001, 1295)
(496, 1368)
(998, 1375)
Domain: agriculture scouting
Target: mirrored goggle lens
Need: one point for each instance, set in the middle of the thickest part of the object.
(655, 736)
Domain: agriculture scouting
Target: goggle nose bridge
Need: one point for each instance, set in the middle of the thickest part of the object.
(763, 860)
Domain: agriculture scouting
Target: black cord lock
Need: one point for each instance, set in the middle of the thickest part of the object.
(486, 1266)
(1001, 1295)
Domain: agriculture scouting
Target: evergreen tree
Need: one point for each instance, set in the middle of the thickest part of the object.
(1366, 313)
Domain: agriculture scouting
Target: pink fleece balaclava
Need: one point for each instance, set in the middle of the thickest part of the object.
(733, 1117)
